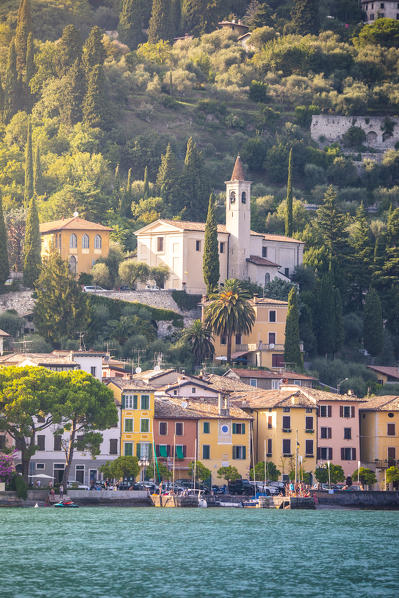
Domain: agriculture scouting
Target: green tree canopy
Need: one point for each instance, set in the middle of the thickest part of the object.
(272, 473)
(202, 472)
(289, 223)
(373, 326)
(229, 473)
(93, 50)
(4, 263)
(132, 21)
(292, 351)
(210, 263)
(336, 474)
(69, 49)
(305, 16)
(199, 340)
(24, 28)
(32, 245)
(365, 475)
(131, 271)
(383, 32)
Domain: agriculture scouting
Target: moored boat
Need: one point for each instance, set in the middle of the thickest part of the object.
(67, 504)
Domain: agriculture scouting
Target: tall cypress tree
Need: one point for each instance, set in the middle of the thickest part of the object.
(194, 187)
(175, 17)
(210, 263)
(167, 181)
(193, 12)
(305, 17)
(93, 50)
(24, 28)
(126, 197)
(75, 89)
(69, 49)
(292, 351)
(12, 87)
(373, 326)
(289, 221)
(160, 21)
(132, 22)
(29, 72)
(1, 103)
(32, 245)
(338, 321)
(95, 105)
(361, 257)
(146, 187)
(325, 317)
(28, 190)
(4, 264)
(37, 173)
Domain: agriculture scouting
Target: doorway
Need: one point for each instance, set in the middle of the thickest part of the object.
(58, 471)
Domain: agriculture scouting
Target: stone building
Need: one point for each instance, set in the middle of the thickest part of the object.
(379, 10)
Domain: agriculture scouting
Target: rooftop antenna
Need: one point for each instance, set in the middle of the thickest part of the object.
(81, 342)
(24, 342)
(158, 359)
(138, 352)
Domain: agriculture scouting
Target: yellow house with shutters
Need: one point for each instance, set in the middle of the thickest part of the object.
(80, 242)
(137, 418)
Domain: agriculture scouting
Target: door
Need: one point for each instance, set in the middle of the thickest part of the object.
(277, 360)
(58, 472)
(93, 476)
(80, 473)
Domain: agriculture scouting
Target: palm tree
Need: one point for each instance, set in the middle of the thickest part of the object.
(200, 340)
(230, 312)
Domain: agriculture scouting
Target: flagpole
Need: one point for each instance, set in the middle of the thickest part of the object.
(174, 459)
(296, 458)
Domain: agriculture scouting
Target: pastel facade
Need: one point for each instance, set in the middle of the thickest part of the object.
(385, 374)
(80, 242)
(379, 10)
(243, 253)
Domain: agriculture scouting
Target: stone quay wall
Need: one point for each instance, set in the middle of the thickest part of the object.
(363, 499)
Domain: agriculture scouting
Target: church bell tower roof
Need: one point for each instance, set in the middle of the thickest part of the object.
(238, 171)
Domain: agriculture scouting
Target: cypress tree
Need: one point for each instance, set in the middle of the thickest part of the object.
(146, 188)
(24, 28)
(132, 22)
(193, 184)
(29, 72)
(175, 17)
(361, 257)
(373, 327)
(325, 321)
(305, 17)
(37, 173)
(193, 12)
(1, 103)
(126, 199)
(289, 210)
(75, 89)
(292, 351)
(69, 49)
(95, 105)
(210, 263)
(93, 50)
(28, 190)
(12, 88)
(338, 321)
(4, 264)
(167, 181)
(32, 245)
(160, 21)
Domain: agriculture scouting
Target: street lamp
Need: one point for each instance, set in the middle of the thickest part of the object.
(329, 476)
(143, 463)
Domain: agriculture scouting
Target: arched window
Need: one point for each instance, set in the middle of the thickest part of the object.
(243, 197)
(73, 241)
(232, 197)
(72, 264)
(97, 242)
(85, 241)
(267, 278)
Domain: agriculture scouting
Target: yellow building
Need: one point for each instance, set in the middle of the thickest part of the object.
(80, 242)
(379, 435)
(285, 427)
(137, 418)
(264, 346)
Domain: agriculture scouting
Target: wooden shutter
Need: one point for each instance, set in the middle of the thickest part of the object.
(242, 428)
(318, 453)
(331, 453)
(341, 411)
(135, 402)
(234, 428)
(138, 452)
(123, 401)
(329, 410)
(184, 451)
(352, 411)
(342, 454)
(244, 452)
(353, 454)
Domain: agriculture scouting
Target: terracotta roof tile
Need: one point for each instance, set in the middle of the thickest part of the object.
(291, 397)
(392, 372)
(194, 226)
(224, 384)
(261, 261)
(74, 223)
(270, 375)
(383, 403)
(268, 237)
(2, 333)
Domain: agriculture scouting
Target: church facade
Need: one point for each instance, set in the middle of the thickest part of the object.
(243, 254)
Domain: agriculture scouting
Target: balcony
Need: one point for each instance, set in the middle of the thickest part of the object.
(385, 463)
(309, 431)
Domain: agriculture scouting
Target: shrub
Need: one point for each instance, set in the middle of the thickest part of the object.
(185, 301)
(354, 137)
(21, 487)
(258, 91)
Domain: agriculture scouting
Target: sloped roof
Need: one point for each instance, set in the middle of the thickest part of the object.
(186, 225)
(2, 333)
(74, 223)
(208, 408)
(261, 261)
(169, 409)
(281, 238)
(383, 403)
(293, 397)
(40, 359)
(131, 385)
(153, 374)
(243, 373)
(238, 170)
(223, 384)
(268, 301)
(392, 372)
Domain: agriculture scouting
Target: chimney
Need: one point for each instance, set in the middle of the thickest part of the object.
(220, 403)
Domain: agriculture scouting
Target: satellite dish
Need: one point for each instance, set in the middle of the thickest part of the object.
(157, 368)
(184, 404)
(138, 370)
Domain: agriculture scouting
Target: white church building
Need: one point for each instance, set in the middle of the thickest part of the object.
(243, 254)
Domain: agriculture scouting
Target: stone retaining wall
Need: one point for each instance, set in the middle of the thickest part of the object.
(333, 127)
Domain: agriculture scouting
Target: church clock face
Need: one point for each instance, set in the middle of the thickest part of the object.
(232, 197)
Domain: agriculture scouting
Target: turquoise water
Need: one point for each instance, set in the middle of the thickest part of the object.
(233, 553)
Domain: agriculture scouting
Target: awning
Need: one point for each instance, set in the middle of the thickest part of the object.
(179, 452)
(163, 450)
(239, 354)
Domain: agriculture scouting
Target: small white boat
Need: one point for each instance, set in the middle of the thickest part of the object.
(236, 505)
(36, 506)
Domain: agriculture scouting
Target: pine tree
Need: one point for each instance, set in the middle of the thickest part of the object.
(132, 22)
(289, 223)
(160, 21)
(37, 173)
(95, 105)
(325, 316)
(193, 184)
(146, 188)
(193, 12)
(4, 264)
(32, 246)
(12, 87)
(373, 327)
(210, 263)
(93, 50)
(292, 351)
(24, 28)
(126, 198)
(28, 190)
(361, 257)
(75, 89)
(69, 49)
(168, 181)
(305, 17)
(338, 321)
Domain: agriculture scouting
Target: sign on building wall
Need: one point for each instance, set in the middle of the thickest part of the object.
(224, 433)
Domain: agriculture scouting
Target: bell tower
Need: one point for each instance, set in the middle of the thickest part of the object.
(238, 221)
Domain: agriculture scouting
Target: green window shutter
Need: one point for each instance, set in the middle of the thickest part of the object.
(206, 427)
(123, 401)
(179, 452)
(128, 425)
(128, 446)
(138, 450)
(145, 402)
(135, 402)
(163, 450)
(242, 428)
(150, 452)
(244, 452)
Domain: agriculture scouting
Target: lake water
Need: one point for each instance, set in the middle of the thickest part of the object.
(233, 553)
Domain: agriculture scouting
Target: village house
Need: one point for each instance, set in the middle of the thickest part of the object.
(114, 368)
(379, 10)
(269, 380)
(243, 254)
(80, 242)
(385, 374)
(3, 335)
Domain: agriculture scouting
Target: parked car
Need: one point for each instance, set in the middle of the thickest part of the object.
(125, 288)
(243, 487)
(151, 287)
(74, 485)
(92, 289)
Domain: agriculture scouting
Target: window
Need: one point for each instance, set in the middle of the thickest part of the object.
(206, 427)
(391, 429)
(143, 450)
(286, 422)
(309, 423)
(238, 428)
(198, 246)
(272, 338)
(243, 197)
(238, 339)
(286, 446)
(180, 451)
(145, 402)
(269, 447)
(113, 446)
(57, 442)
(347, 433)
(239, 452)
(264, 251)
(347, 411)
(382, 5)
(269, 422)
(93, 370)
(72, 264)
(128, 449)
(221, 247)
(286, 409)
(391, 453)
(163, 450)
(267, 278)
(348, 454)
(193, 390)
(73, 241)
(41, 442)
(325, 432)
(275, 384)
(308, 409)
(40, 466)
(309, 448)
(98, 242)
(272, 316)
(130, 401)
(128, 424)
(179, 429)
(159, 244)
(232, 197)
(325, 411)
(40, 419)
(163, 428)
(324, 453)
(222, 340)
(287, 272)
(144, 425)
(206, 451)
(85, 241)
(80, 473)
(253, 382)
